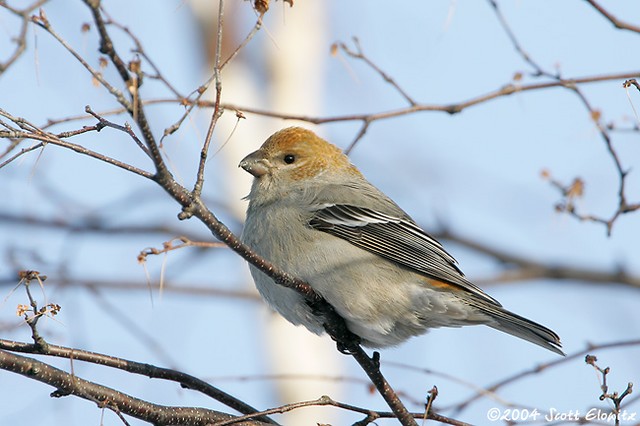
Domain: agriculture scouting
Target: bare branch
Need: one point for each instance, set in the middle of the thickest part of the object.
(371, 415)
(518, 267)
(45, 138)
(244, 43)
(452, 108)
(359, 136)
(126, 128)
(459, 407)
(192, 205)
(615, 397)
(217, 112)
(611, 18)
(135, 109)
(566, 206)
(144, 369)
(105, 397)
(21, 152)
(516, 44)
(139, 49)
(21, 39)
(527, 269)
(359, 54)
(170, 246)
(42, 21)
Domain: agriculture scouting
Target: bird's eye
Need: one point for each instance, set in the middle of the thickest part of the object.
(289, 158)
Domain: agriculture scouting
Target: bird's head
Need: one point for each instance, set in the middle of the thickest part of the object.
(295, 156)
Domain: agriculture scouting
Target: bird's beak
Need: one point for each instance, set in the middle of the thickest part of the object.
(255, 164)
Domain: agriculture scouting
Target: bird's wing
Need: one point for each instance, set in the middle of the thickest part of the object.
(394, 238)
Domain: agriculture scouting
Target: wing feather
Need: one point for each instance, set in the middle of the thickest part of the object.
(395, 238)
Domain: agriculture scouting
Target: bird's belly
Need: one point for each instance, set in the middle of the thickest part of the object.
(383, 303)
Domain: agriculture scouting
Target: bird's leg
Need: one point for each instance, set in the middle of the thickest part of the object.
(335, 326)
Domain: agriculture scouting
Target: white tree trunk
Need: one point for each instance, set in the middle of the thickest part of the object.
(291, 81)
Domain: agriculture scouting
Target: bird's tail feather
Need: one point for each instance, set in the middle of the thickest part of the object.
(521, 327)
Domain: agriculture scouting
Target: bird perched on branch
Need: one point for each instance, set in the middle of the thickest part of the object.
(314, 215)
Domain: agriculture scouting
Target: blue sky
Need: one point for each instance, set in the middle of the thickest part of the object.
(477, 173)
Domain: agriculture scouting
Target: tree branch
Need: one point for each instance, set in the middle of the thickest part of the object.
(105, 397)
(566, 205)
(185, 380)
(21, 39)
(622, 25)
(35, 133)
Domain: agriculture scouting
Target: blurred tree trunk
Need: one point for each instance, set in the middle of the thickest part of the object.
(287, 76)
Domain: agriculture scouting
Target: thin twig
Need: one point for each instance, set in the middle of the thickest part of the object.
(126, 129)
(451, 108)
(325, 400)
(21, 152)
(139, 49)
(42, 21)
(567, 206)
(21, 39)
(170, 246)
(526, 269)
(459, 407)
(197, 187)
(615, 397)
(359, 136)
(135, 109)
(49, 138)
(516, 44)
(611, 18)
(246, 41)
(359, 54)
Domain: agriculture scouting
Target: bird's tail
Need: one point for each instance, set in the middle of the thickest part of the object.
(521, 327)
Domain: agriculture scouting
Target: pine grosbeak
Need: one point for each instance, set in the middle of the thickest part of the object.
(314, 215)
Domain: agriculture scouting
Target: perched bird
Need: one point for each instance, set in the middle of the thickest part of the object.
(314, 215)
